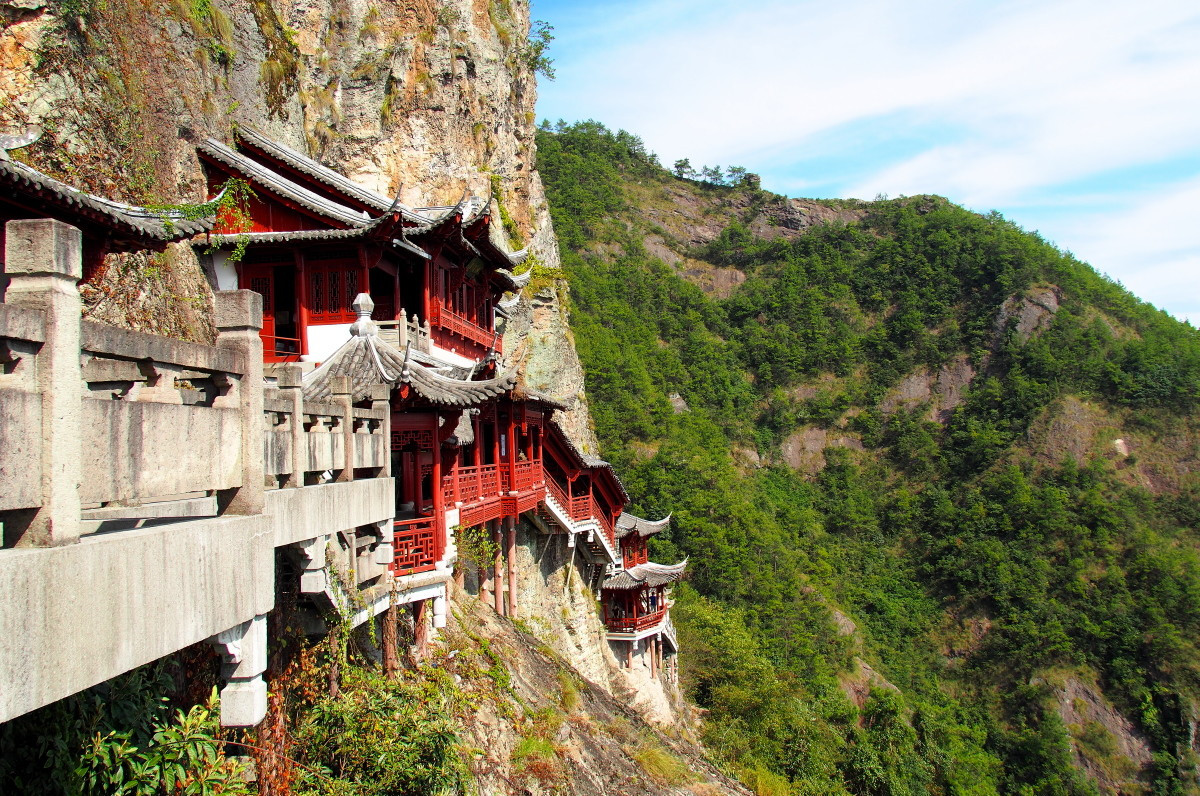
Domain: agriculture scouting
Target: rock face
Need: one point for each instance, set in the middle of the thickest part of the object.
(423, 99)
(547, 731)
(1106, 745)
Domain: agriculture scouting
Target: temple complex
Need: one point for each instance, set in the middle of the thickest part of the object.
(352, 420)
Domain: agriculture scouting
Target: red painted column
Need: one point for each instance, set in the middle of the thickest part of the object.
(512, 449)
(439, 509)
(498, 567)
(301, 300)
(511, 554)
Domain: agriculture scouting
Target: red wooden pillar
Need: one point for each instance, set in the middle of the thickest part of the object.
(476, 458)
(301, 300)
(498, 568)
(512, 449)
(420, 629)
(511, 554)
(496, 440)
(426, 293)
(439, 509)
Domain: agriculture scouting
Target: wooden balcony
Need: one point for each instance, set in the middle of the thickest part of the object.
(634, 624)
(441, 317)
(473, 484)
(525, 476)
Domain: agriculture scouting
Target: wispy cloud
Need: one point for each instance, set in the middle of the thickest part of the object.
(996, 105)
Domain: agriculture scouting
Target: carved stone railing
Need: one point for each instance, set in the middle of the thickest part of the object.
(159, 417)
(94, 415)
(405, 330)
(306, 439)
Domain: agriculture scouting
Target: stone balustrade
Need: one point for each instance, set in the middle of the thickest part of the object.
(195, 471)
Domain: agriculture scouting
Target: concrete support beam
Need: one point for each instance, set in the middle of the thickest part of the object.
(238, 321)
(44, 262)
(313, 579)
(244, 649)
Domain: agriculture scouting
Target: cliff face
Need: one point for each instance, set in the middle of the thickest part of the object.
(421, 99)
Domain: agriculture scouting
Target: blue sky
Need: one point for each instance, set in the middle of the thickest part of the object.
(1080, 120)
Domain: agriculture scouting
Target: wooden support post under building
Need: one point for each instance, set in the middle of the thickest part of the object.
(498, 567)
(511, 554)
(653, 657)
(420, 628)
(391, 663)
(629, 656)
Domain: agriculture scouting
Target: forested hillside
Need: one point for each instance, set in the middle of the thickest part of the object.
(938, 480)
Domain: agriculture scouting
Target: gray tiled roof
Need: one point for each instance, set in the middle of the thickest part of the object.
(268, 179)
(140, 222)
(628, 523)
(367, 361)
(648, 574)
(311, 168)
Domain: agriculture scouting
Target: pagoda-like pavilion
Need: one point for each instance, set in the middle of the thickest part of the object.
(635, 599)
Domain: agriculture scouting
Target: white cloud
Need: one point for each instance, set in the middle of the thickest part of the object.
(1015, 101)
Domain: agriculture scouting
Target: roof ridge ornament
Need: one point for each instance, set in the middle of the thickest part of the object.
(363, 326)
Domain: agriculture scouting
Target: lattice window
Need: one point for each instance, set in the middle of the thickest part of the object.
(335, 292)
(262, 286)
(404, 437)
(316, 292)
(351, 288)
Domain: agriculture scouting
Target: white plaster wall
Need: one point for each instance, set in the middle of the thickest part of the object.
(324, 340)
(226, 272)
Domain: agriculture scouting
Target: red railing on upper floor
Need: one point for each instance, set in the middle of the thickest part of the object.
(526, 475)
(474, 483)
(451, 321)
(632, 624)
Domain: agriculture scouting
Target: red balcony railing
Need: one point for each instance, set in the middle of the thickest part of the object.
(527, 475)
(441, 316)
(558, 493)
(280, 349)
(605, 520)
(474, 483)
(418, 547)
(632, 624)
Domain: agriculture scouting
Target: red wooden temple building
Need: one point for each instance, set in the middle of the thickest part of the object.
(635, 600)
(372, 293)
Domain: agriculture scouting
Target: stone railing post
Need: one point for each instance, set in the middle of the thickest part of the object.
(381, 395)
(43, 259)
(343, 397)
(289, 378)
(238, 321)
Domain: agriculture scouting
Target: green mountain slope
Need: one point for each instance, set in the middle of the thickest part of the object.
(937, 480)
